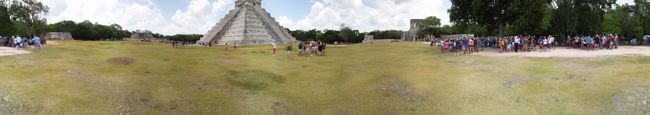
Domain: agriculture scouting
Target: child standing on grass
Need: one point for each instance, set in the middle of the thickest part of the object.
(289, 47)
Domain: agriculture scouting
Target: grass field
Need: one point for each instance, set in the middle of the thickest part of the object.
(78, 77)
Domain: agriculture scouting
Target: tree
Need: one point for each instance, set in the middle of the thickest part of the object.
(447, 30)
(30, 13)
(430, 26)
(6, 25)
(489, 14)
(386, 34)
(563, 17)
(531, 16)
(642, 10)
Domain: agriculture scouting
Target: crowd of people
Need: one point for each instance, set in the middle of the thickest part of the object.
(20, 42)
(466, 45)
(589, 42)
(310, 48)
(525, 43)
(528, 43)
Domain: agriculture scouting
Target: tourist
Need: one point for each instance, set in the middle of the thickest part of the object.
(458, 46)
(464, 45)
(616, 41)
(531, 44)
(274, 47)
(471, 44)
(516, 43)
(610, 44)
(477, 45)
(17, 41)
(551, 42)
(589, 43)
(597, 42)
(37, 42)
(300, 46)
(289, 48)
(445, 46)
(502, 45)
(524, 42)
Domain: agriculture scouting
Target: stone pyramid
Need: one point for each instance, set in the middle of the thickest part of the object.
(247, 24)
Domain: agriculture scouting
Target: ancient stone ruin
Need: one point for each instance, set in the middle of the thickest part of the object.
(411, 35)
(142, 35)
(247, 24)
(368, 39)
(58, 36)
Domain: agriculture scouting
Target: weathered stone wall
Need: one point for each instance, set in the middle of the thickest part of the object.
(58, 36)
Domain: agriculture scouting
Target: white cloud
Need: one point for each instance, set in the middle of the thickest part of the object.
(631, 2)
(198, 17)
(368, 15)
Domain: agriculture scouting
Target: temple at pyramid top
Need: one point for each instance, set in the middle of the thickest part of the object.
(247, 24)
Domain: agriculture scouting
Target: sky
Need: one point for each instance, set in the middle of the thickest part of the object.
(198, 16)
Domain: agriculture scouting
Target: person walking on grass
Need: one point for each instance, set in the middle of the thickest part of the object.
(445, 47)
(300, 46)
(289, 48)
(274, 47)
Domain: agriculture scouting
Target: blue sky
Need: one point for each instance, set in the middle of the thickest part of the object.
(198, 16)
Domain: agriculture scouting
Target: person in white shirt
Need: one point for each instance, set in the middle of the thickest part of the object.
(517, 42)
(274, 47)
(551, 39)
(17, 41)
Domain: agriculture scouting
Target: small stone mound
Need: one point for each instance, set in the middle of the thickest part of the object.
(121, 61)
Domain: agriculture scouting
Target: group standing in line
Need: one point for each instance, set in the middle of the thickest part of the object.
(311, 48)
(20, 42)
(467, 45)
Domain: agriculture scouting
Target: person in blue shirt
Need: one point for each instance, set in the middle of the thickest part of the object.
(464, 41)
(37, 42)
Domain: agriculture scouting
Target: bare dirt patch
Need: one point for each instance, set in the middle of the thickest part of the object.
(570, 52)
(121, 61)
(7, 51)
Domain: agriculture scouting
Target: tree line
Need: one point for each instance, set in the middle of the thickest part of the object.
(344, 35)
(87, 30)
(555, 17)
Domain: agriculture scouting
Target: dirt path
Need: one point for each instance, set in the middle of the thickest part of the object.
(7, 51)
(570, 52)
